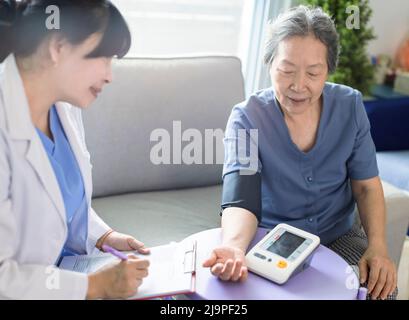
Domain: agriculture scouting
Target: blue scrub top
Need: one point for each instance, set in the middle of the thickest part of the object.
(309, 190)
(71, 185)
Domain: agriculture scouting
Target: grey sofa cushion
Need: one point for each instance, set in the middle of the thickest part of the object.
(159, 217)
(397, 219)
(148, 94)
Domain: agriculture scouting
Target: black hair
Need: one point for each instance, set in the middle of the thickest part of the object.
(23, 26)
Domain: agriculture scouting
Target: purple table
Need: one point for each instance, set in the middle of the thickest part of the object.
(328, 277)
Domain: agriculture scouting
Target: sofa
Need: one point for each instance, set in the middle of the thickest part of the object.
(167, 202)
(389, 118)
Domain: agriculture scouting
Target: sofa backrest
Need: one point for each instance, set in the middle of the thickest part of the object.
(150, 94)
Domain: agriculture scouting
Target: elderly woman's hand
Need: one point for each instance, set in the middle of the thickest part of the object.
(228, 263)
(376, 268)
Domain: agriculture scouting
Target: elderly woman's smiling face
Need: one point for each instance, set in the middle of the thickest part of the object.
(298, 73)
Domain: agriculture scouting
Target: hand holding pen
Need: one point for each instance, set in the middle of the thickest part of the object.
(118, 280)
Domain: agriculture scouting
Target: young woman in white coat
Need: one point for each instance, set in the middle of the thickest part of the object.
(46, 77)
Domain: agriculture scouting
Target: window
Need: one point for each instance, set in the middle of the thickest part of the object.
(184, 27)
(163, 28)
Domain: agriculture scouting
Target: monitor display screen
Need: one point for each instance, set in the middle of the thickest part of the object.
(286, 244)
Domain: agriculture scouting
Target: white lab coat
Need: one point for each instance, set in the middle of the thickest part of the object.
(33, 226)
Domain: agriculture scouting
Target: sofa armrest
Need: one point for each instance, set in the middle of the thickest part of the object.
(397, 219)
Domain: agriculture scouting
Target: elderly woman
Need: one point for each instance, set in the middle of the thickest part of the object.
(315, 162)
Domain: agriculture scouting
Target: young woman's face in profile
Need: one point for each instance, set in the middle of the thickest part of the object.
(81, 79)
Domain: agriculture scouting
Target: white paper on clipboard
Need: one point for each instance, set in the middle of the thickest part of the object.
(171, 271)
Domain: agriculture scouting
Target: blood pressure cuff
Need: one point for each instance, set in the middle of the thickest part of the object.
(242, 191)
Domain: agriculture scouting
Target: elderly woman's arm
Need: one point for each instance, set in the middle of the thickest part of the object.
(375, 266)
(241, 204)
(228, 261)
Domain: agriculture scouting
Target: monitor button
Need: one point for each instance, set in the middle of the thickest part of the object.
(258, 255)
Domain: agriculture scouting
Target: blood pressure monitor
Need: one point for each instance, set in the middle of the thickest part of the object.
(282, 253)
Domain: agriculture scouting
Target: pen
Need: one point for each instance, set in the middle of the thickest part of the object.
(114, 252)
(362, 292)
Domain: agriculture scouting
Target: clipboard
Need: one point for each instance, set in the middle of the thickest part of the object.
(172, 269)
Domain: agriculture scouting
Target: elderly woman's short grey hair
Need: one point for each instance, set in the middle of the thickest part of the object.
(303, 21)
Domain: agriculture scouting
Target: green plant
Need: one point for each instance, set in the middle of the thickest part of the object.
(354, 68)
